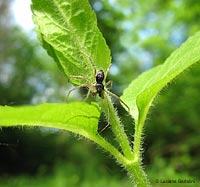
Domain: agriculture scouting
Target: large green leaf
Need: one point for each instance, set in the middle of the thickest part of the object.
(79, 117)
(141, 92)
(68, 31)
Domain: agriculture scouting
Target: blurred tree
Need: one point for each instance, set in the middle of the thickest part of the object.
(24, 66)
(27, 75)
(11, 81)
(173, 131)
(142, 35)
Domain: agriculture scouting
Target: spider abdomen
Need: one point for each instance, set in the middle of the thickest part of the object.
(99, 89)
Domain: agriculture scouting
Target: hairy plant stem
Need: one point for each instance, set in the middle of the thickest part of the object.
(138, 175)
(130, 160)
(117, 128)
(139, 125)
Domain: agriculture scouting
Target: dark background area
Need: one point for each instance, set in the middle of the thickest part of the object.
(140, 35)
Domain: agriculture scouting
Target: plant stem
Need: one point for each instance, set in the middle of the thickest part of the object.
(139, 124)
(132, 166)
(138, 175)
(131, 160)
(117, 128)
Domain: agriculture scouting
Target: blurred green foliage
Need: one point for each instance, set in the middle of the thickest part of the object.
(140, 35)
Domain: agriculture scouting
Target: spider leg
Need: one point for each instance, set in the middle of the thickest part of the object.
(75, 88)
(95, 72)
(93, 65)
(78, 77)
(106, 74)
(88, 93)
(117, 97)
(80, 86)
(108, 117)
(109, 83)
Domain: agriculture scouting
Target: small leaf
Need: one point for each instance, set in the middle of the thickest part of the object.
(68, 31)
(80, 118)
(141, 92)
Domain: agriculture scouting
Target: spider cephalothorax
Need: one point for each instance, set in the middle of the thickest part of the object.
(100, 76)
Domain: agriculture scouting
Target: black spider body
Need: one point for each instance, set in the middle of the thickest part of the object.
(100, 76)
(99, 89)
(99, 83)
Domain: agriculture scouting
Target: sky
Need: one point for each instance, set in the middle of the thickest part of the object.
(22, 14)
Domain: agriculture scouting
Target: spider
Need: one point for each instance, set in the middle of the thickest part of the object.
(98, 88)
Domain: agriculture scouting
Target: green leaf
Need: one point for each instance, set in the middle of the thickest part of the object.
(80, 118)
(141, 92)
(68, 31)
